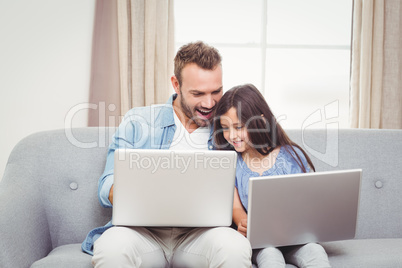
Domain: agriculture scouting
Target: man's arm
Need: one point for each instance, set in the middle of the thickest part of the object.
(106, 181)
(123, 138)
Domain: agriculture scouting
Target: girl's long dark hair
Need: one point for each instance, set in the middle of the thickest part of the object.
(254, 113)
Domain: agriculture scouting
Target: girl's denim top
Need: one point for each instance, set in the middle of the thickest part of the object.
(284, 164)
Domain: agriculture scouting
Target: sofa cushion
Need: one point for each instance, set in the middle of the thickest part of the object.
(287, 266)
(66, 256)
(365, 253)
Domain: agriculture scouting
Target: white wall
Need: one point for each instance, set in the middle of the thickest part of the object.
(45, 56)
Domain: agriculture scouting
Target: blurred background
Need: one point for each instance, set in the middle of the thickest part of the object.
(296, 52)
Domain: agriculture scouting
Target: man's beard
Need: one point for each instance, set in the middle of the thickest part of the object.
(193, 114)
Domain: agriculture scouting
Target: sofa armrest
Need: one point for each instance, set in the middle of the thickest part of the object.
(24, 232)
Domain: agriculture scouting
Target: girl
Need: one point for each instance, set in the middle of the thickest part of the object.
(244, 122)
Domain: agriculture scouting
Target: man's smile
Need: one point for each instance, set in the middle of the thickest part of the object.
(204, 113)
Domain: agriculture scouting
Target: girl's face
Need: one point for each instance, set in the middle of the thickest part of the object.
(234, 131)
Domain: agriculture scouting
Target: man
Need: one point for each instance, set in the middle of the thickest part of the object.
(183, 123)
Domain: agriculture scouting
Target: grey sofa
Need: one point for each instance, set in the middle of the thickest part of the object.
(48, 195)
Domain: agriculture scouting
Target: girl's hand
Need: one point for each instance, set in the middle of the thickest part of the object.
(242, 227)
(239, 214)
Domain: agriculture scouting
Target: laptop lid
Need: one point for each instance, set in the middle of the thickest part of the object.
(302, 208)
(176, 188)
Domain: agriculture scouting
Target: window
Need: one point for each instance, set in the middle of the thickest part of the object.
(297, 53)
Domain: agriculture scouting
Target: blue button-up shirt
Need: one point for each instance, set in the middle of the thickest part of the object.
(285, 163)
(150, 127)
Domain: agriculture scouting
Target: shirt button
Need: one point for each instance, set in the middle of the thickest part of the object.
(210, 147)
(73, 186)
(378, 184)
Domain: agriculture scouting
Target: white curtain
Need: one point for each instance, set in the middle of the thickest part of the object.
(376, 75)
(146, 51)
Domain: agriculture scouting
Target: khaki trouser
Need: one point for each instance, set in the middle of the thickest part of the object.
(171, 247)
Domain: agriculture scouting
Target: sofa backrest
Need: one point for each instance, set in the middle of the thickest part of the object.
(63, 168)
(379, 154)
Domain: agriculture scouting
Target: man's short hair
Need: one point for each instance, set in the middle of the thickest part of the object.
(205, 56)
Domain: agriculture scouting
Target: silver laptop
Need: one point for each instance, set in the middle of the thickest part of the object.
(302, 208)
(173, 188)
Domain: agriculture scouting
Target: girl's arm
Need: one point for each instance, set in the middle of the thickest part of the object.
(239, 214)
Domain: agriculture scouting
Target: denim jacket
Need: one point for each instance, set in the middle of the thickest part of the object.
(150, 127)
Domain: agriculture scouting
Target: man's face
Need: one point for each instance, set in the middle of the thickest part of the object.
(199, 93)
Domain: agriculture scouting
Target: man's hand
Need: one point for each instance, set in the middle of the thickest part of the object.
(242, 227)
(111, 194)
